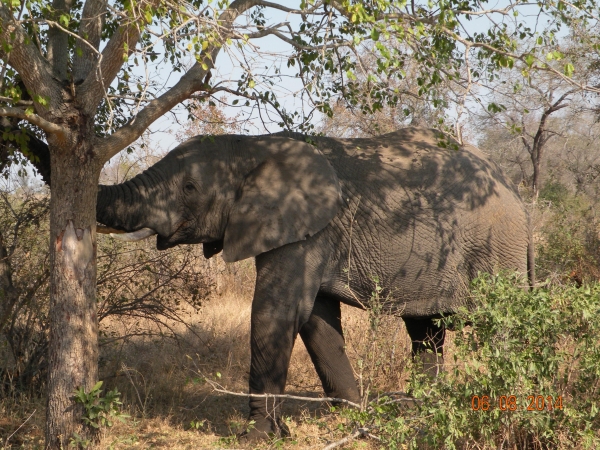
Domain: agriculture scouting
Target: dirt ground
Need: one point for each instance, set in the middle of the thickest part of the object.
(162, 380)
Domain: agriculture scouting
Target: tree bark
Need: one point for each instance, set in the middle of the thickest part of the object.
(73, 352)
(8, 293)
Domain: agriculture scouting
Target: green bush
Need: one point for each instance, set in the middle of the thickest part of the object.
(535, 352)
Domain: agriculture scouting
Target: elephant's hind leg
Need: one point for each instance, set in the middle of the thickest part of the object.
(322, 335)
(427, 343)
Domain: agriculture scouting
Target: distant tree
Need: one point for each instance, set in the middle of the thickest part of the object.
(526, 116)
(208, 118)
(410, 107)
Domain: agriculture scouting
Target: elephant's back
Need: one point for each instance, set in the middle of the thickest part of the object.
(425, 215)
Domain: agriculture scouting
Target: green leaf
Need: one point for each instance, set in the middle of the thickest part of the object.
(64, 20)
(529, 60)
(569, 69)
(41, 100)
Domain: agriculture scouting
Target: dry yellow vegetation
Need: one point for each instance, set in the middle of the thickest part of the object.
(162, 380)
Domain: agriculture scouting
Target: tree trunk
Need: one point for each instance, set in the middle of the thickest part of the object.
(73, 351)
(535, 179)
(8, 293)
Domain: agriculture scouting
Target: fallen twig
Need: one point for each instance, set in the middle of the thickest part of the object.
(20, 426)
(360, 432)
(217, 388)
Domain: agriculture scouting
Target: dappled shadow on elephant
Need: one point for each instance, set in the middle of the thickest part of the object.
(401, 223)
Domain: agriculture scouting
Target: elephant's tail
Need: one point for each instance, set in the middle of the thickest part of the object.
(530, 261)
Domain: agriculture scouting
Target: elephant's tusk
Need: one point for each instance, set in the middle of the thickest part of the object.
(134, 236)
(108, 230)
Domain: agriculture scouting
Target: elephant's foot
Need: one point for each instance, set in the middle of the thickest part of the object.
(265, 428)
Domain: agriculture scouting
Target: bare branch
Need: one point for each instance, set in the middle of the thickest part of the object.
(18, 103)
(316, 6)
(359, 432)
(274, 32)
(187, 85)
(20, 426)
(218, 388)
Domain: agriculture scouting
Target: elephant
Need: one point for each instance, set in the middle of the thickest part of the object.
(323, 217)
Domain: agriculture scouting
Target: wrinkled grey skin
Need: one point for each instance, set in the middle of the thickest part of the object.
(322, 224)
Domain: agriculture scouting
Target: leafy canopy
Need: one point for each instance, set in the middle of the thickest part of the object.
(138, 54)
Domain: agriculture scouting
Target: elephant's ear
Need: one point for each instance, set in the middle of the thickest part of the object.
(290, 195)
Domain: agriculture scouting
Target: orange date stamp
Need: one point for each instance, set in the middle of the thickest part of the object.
(511, 403)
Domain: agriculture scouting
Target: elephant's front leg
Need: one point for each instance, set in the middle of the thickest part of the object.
(287, 282)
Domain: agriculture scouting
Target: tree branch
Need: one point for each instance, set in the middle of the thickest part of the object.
(25, 57)
(189, 83)
(121, 44)
(34, 119)
(90, 30)
(274, 32)
(185, 87)
(538, 140)
(58, 41)
(359, 432)
(218, 388)
(289, 10)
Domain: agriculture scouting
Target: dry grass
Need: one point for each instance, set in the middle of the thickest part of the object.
(171, 407)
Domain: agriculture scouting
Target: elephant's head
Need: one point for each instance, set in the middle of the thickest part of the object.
(245, 195)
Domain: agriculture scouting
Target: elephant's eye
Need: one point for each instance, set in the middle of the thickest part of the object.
(189, 187)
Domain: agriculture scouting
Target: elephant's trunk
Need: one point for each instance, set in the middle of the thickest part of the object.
(128, 206)
(119, 207)
(139, 203)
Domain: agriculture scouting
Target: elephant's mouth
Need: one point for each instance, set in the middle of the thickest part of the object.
(177, 237)
(164, 242)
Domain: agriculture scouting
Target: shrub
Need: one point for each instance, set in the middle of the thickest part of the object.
(525, 374)
(570, 246)
(136, 283)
